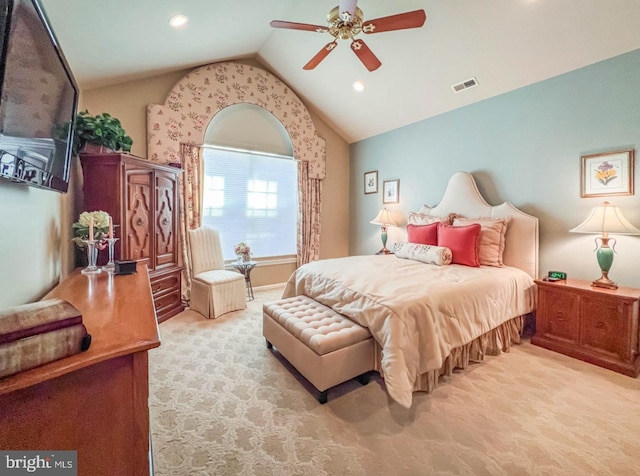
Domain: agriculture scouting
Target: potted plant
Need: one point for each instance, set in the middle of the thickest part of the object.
(99, 133)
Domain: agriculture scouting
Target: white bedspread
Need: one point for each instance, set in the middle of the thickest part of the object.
(417, 312)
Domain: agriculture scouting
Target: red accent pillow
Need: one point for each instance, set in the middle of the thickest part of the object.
(462, 241)
(423, 234)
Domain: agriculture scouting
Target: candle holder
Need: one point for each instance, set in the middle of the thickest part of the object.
(111, 265)
(92, 257)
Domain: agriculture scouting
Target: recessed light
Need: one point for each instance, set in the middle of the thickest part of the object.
(177, 21)
(358, 86)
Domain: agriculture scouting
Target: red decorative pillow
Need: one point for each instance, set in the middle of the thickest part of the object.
(462, 241)
(423, 234)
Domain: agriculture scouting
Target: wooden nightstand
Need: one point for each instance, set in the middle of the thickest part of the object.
(597, 325)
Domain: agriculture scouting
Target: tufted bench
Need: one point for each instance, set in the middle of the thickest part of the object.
(324, 346)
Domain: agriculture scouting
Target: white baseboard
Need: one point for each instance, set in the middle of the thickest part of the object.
(268, 287)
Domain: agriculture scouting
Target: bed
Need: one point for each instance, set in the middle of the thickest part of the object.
(428, 319)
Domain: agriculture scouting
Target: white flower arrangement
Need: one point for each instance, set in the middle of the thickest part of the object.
(100, 227)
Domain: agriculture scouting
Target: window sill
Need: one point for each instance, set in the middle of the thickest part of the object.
(267, 261)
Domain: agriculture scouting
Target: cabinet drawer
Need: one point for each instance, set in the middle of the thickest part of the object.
(165, 283)
(168, 305)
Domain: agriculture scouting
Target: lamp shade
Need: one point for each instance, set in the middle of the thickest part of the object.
(384, 218)
(606, 219)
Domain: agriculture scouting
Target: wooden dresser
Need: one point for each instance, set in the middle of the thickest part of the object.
(95, 402)
(142, 199)
(597, 325)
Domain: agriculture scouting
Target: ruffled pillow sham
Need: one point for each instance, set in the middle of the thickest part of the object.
(417, 218)
(437, 255)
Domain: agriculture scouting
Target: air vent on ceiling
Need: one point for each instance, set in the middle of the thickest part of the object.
(469, 83)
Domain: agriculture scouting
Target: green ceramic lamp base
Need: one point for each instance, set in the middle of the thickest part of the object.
(605, 260)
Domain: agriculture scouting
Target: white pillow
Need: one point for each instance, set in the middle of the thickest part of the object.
(438, 255)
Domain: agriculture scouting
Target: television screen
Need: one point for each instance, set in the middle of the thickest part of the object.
(38, 99)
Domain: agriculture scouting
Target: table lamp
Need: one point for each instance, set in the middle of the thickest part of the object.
(384, 219)
(604, 220)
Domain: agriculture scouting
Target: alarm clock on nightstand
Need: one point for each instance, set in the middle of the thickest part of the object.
(555, 276)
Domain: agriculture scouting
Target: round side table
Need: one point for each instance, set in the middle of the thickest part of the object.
(245, 268)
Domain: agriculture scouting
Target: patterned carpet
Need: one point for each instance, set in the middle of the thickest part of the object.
(222, 404)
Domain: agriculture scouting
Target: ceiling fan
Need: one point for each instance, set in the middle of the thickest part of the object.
(345, 22)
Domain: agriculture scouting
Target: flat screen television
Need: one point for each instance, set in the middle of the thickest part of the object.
(38, 99)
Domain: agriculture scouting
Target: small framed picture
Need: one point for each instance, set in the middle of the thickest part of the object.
(391, 191)
(609, 173)
(371, 182)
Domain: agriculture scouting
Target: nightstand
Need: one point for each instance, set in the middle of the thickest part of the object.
(597, 325)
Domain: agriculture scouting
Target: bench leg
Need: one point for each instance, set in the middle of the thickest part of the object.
(322, 398)
(269, 344)
(364, 378)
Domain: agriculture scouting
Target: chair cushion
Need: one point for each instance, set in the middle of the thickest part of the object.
(317, 326)
(218, 276)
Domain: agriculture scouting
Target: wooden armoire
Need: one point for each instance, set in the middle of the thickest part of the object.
(142, 198)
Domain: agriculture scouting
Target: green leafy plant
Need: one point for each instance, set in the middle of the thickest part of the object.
(102, 130)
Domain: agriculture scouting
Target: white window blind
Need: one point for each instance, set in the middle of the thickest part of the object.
(251, 197)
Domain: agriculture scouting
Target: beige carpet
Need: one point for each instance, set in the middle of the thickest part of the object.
(222, 404)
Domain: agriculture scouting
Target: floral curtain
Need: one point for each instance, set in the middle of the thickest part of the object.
(309, 213)
(190, 205)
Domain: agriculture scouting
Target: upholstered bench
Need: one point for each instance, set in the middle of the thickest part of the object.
(324, 346)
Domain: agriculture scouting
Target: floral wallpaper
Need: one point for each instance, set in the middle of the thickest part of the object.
(205, 91)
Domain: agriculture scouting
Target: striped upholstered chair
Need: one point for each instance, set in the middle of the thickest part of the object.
(214, 290)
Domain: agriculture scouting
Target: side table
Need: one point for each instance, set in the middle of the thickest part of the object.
(245, 268)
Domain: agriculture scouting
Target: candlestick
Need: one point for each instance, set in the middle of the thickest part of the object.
(91, 229)
(92, 256)
(111, 265)
(110, 228)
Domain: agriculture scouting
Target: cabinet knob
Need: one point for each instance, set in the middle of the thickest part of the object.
(165, 221)
(139, 222)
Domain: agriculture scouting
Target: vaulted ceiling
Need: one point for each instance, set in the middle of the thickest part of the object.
(504, 44)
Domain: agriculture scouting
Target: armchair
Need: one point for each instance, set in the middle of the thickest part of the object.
(214, 290)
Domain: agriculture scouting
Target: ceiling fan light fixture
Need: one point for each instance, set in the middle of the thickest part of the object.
(345, 22)
(177, 21)
(344, 27)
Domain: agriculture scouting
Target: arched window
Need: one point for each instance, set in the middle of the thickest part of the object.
(250, 183)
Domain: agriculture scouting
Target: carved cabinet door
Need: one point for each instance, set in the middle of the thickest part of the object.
(137, 226)
(166, 219)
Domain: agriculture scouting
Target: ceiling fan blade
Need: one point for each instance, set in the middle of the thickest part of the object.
(322, 54)
(367, 57)
(298, 26)
(402, 21)
(349, 7)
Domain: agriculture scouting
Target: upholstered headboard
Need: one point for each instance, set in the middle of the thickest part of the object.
(521, 240)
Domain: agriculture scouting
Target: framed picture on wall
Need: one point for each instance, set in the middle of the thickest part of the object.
(606, 174)
(391, 191)
(371, 182)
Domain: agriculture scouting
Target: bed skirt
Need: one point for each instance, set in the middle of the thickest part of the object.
(492, 343)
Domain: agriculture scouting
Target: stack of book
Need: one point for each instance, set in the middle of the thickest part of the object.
(35, 334)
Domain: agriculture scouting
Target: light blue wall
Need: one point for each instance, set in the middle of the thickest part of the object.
(523, 147)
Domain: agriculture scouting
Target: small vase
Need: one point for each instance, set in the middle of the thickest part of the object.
(246, 257)
(92, 258)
